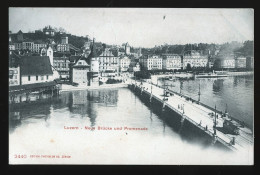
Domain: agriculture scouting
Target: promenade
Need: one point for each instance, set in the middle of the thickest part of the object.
(200, 116)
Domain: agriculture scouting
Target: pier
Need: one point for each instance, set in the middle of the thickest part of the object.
(16, 93)
(196, 115)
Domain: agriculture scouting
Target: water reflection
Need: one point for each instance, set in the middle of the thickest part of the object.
(218, 85)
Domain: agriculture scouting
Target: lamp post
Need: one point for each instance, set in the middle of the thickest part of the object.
(215, 121)
(199, 93)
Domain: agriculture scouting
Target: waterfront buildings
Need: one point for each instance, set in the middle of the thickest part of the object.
(151, 62)
(35, 69)
(124, 63)
(79, 70)
(108, 63)
(61, 64)
(14, 69)
(93, 60)
(225, 62)
(194, 59)
(171, 61)
(240, 62)
(250, 62)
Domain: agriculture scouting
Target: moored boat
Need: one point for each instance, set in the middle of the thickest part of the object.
(212, 75)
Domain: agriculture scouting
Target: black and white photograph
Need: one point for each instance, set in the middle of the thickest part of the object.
(131, 86)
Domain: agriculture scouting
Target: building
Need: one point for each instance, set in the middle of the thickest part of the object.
(49, 31)
(18, 45)
(64, 40)
(11, 46)
(124, 63)
(14, 76)
(38, 45)
(225, 62)
(61, 64)
(35, 69)
(49, 53)
(194, 59)
(171, 61)
(250, 62)
(240, 62)
(108, 63)
(14, 69)
(127, 49)
(151, 62)
(63, 48)
(93, 60)
(27, 44)
(139, 52)
(79, 70)
(134, 66)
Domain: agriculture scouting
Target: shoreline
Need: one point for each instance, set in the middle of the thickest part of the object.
(66, 88)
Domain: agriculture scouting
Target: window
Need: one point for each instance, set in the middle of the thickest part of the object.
(29, 78)
(36, 77)
(42, 77)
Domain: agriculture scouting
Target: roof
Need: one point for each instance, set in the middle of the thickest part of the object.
(35, 65)
(31, 86)
(106, 53)
(14, 60)
(74, 58)
(81, 66)
(39, 42)
(170, 54)
(93, 52)
(60, 58)
(61, 54)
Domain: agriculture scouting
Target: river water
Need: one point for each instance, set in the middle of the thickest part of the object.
(234, 94)
(39, 129)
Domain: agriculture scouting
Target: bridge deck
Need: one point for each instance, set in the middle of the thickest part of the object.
(199, 115)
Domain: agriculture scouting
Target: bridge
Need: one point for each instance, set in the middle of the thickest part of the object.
(200, 115)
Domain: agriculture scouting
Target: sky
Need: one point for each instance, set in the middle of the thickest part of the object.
(141, 27)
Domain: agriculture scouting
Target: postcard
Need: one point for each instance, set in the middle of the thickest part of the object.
(131, 86)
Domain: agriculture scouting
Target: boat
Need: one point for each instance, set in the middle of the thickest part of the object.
(212, 74)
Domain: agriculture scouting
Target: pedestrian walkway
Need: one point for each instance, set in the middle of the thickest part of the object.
(198, 115)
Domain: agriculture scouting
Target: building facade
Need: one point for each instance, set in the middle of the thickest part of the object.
(127, 49)
(124, 63)
(194, 59)
(240, 62)
(61, 64)
(151, 62)
(171, 61)
(225, 62)
(108, 63)
(38, 45)
(49, 31)
(80, 71)
(11, 46)
(14, 76)
(35, 69)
